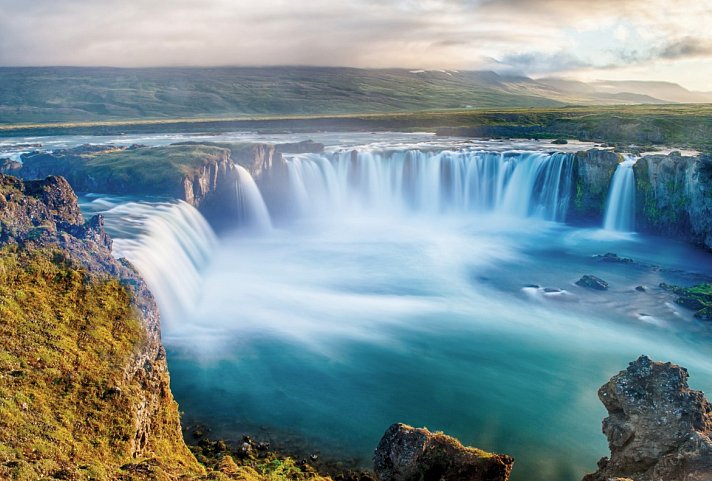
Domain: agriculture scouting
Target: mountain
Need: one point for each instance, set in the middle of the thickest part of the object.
(68, 94)
(667, 91)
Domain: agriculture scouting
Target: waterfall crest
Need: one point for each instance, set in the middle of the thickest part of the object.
(520, 184)
(620, 207)
(169, 243)
(251, 208)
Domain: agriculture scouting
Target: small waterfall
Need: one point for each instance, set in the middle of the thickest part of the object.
(169, 243)
(620, 207)
(251, 207)
(519, 184)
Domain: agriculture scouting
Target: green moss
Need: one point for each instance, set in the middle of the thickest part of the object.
(157, 170)
(66, 404)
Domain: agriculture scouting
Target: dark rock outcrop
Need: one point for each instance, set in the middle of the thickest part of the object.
(674, 196)
(614, 258)
(592, 282)
(593, 170)
(411, 454)
(658, 429)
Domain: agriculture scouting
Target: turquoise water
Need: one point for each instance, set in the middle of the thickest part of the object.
(426, 286)
(327, 333)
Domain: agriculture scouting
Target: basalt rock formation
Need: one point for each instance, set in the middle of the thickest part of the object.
(674, 196)
(84, 388)
(412, 454)
(593, 170)
(658, 429)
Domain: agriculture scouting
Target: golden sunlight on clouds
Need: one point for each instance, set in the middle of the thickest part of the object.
(606, 39)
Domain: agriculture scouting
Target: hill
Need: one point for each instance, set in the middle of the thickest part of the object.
(67, 94)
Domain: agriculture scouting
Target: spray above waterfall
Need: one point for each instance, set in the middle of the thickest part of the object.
(620, 207)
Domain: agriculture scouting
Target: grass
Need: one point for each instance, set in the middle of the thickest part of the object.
(677, 125)
(66, 338)
(151, 171)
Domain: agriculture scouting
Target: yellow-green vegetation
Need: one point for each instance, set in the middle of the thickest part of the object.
(249, 465)
(66, 402)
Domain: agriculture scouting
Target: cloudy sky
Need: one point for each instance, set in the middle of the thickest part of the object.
(583, 39)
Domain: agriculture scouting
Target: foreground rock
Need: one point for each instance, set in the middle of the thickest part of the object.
(411, 454)
(658, 429)
(592, 282)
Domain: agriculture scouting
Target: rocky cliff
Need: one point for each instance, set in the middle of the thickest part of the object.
(84, 389)
(593, 170)
(658, 429)
(674, 196)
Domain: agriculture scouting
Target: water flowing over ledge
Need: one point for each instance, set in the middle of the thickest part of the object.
(517, 184)
(620, 208)
(169, 243)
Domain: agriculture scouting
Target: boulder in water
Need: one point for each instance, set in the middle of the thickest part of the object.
(592, 282)
(614, 258)
(658, 429)
(415, 454)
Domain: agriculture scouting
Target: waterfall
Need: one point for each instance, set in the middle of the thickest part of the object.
(620, 207)
(251, 208)
(169, 243)
(520, 184)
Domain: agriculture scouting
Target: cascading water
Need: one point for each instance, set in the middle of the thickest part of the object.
(169, 243)
(251, 207)
(620, 208)
(520, 184)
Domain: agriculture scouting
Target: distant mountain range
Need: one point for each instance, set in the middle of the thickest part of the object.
(67, 94)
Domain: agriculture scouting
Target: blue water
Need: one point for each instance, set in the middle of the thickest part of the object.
(435, 289)
(328, 334)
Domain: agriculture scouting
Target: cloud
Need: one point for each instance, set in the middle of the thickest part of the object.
(686, 48)
(537, 62)
(531, 36)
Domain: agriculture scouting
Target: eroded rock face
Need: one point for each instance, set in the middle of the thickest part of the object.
(658, 429)
(413, 454)
(674, 196)
(44, 214)
(593, 171)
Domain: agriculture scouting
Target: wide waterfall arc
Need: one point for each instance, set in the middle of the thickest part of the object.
(514, 183)
(170, 244)
(620, 206)
(251, 208)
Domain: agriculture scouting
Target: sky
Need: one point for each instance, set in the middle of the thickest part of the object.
(587, 40)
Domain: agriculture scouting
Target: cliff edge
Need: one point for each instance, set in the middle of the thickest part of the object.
(84, 388)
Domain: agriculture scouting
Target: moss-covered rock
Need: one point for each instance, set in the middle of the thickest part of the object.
(412, 454)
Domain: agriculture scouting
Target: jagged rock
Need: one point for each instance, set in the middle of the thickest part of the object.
(614, 258)
(412, 454)
(640, 288)
(592, 282)
(658, 429)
